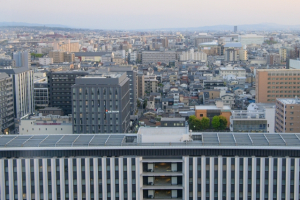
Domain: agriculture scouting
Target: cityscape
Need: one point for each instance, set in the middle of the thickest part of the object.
(208, 112)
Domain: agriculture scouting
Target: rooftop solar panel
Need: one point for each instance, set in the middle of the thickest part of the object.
(6, 139)
(67, 140)
(18, 141)
(275, 139)
(51, 140)
(115, 140)
(34, 141)
(242, 139)
(290, 139)
(226, 139)
(99, 140)
(259, 139)
(83, 140)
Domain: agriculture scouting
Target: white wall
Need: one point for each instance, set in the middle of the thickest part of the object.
(28, 127)
(270, 116)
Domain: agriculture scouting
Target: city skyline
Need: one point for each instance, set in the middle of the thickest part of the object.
(171, 14)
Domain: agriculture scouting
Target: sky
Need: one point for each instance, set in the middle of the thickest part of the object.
(151, 14)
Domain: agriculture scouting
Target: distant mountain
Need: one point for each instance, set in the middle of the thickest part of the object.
(31, 24)
(245, 27)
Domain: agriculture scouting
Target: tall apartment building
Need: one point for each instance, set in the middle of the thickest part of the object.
(141, 85)
(59, 87)
(158, 56)
(243, 54)
(133, 84)
(22, 89)
(235, 29)
(22, 59)
(101, 103)
(231, 55)
(123, 166)
(6, 104)
(283, 54)
(41, 94)
(287, 115)
(61, 56)
(276, 83)
(151, 85)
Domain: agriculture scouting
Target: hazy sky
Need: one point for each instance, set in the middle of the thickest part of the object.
(140, 14)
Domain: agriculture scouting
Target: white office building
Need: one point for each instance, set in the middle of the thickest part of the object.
(22, 59)
(157, 163)
(251, 39)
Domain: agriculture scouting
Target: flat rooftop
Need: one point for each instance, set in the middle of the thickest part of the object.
(289, 101)
(151, 138)
(211, 107)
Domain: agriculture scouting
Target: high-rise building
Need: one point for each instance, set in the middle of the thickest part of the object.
(166, 163)
(283, 54)
(101, 103)
(132, 75)
(141, 85)
(6, 104)
(276, 83)
(22, 89)
(22, 59)
(273, 59)
(68, 46)
(59, 87)
(235, 29)
(230, 55)
(243, 54)
(41, 94)
(287, 115)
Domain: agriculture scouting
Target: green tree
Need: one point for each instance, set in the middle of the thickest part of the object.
(216, 122)
(138, 103)
(205, 122)
(194, 123)
(145, 104)
(223, 122)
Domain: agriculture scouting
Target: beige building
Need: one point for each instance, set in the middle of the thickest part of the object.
(282, 54)
(243, 54)
(150, 85)
(276, 83)
(158, 56)
(61, 56)
(66, 46)
(287, 115)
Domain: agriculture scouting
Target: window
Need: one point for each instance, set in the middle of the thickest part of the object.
(201, 115)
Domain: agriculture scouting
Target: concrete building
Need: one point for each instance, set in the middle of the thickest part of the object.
(158, 56)
(231, 70)
(231, 55)
(41, 94)
(273, 59)
(46, 61)
(235, 29)
(283, 54)
(193, 56)
(46, 125)
(211, 84)
(151, 85)
(132, 75)
(276, 83)
(61, 56)
(243, 54)
(287, 115)
(101, 103)
(94, 56)
(140, 85)
(163, 41)
(203, 39)
(68, 46)
(6, 104)
(251, 39)
(294, 64)
(59, 87)
(22, 90)
(22, 59)
(7, 62)
(130, 166)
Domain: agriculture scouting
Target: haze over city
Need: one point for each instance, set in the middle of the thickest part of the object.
(141, 14)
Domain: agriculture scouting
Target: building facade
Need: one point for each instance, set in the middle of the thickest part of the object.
(59, 87)
(287, 115)
(276, 83)
(22, 89)
(221, 166)
(158, 56)
(41, 94)
(101, 104)
(22, 59)
(46, 61)
(141, 85)
(6, 104)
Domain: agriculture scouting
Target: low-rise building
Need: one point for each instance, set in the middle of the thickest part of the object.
(50, 124)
